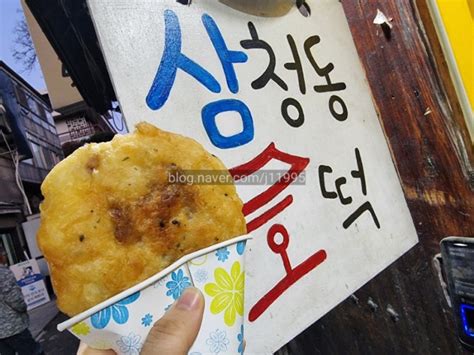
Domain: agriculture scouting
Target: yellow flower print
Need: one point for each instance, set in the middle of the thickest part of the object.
(227, 293)
(81, 329)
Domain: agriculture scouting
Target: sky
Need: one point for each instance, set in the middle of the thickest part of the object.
(10, 14)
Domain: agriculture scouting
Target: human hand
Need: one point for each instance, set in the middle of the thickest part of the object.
(174, 333)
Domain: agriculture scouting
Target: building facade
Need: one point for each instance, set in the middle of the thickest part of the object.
(79, 123)
(29, 149)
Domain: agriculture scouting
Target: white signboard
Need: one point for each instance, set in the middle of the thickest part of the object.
(31, 281)
(281, 98)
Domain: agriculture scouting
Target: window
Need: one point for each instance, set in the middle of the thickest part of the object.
(6, 248)
(41, 111)
(79, 127)
(38, 156)
(49, 118)
(27, 122)
(47, 154)
(21, 96)
(36, 119)
(39, 131)
(32, 105)
(36, 129)
(45, 125)
(48, 137)
(56, 157)
(37, 108)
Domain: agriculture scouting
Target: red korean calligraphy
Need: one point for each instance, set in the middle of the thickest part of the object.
(293, 274)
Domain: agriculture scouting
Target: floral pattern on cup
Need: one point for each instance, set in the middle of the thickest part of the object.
(81, 328)
(240, 247)
(177, 284)
(217, 341)
(118, 312)
(130, 344)
(240, 339)
(227, 293)
(222, 254)
(147, 320)
(201, 276)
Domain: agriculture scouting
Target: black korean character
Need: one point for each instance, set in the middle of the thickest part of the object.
(325, 169)
(292, 121)
(359, 173)
(269, 73)
(340, 113)
(322, 72)
(367, 206)
(343, 114)
(296, 65)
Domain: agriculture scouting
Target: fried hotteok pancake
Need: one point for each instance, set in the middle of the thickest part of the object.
(111, 217)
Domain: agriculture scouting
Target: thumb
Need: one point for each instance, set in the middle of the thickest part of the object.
(176, 331)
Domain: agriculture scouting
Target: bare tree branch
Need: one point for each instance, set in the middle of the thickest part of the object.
(23, 50)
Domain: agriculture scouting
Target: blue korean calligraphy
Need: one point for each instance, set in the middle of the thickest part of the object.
(227, 57)
(173, 59)
(170, 62)
(209, 113)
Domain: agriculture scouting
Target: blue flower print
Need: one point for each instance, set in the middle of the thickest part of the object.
(217, 341)
(241, 247)
(147, 320)
(200, 276)
(130, 345)
(222, 254)
(168, 307)
(240, 338)
(118, 311)
(177, 284)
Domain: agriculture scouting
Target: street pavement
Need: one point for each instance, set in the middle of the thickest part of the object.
(55, 342)
(41, 316)
(43, 322)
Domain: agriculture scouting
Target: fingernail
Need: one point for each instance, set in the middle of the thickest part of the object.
(189, 299)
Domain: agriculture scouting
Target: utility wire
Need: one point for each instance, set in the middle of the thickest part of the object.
(16, 161)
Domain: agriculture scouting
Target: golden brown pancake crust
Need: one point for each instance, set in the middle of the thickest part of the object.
(111, 218)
